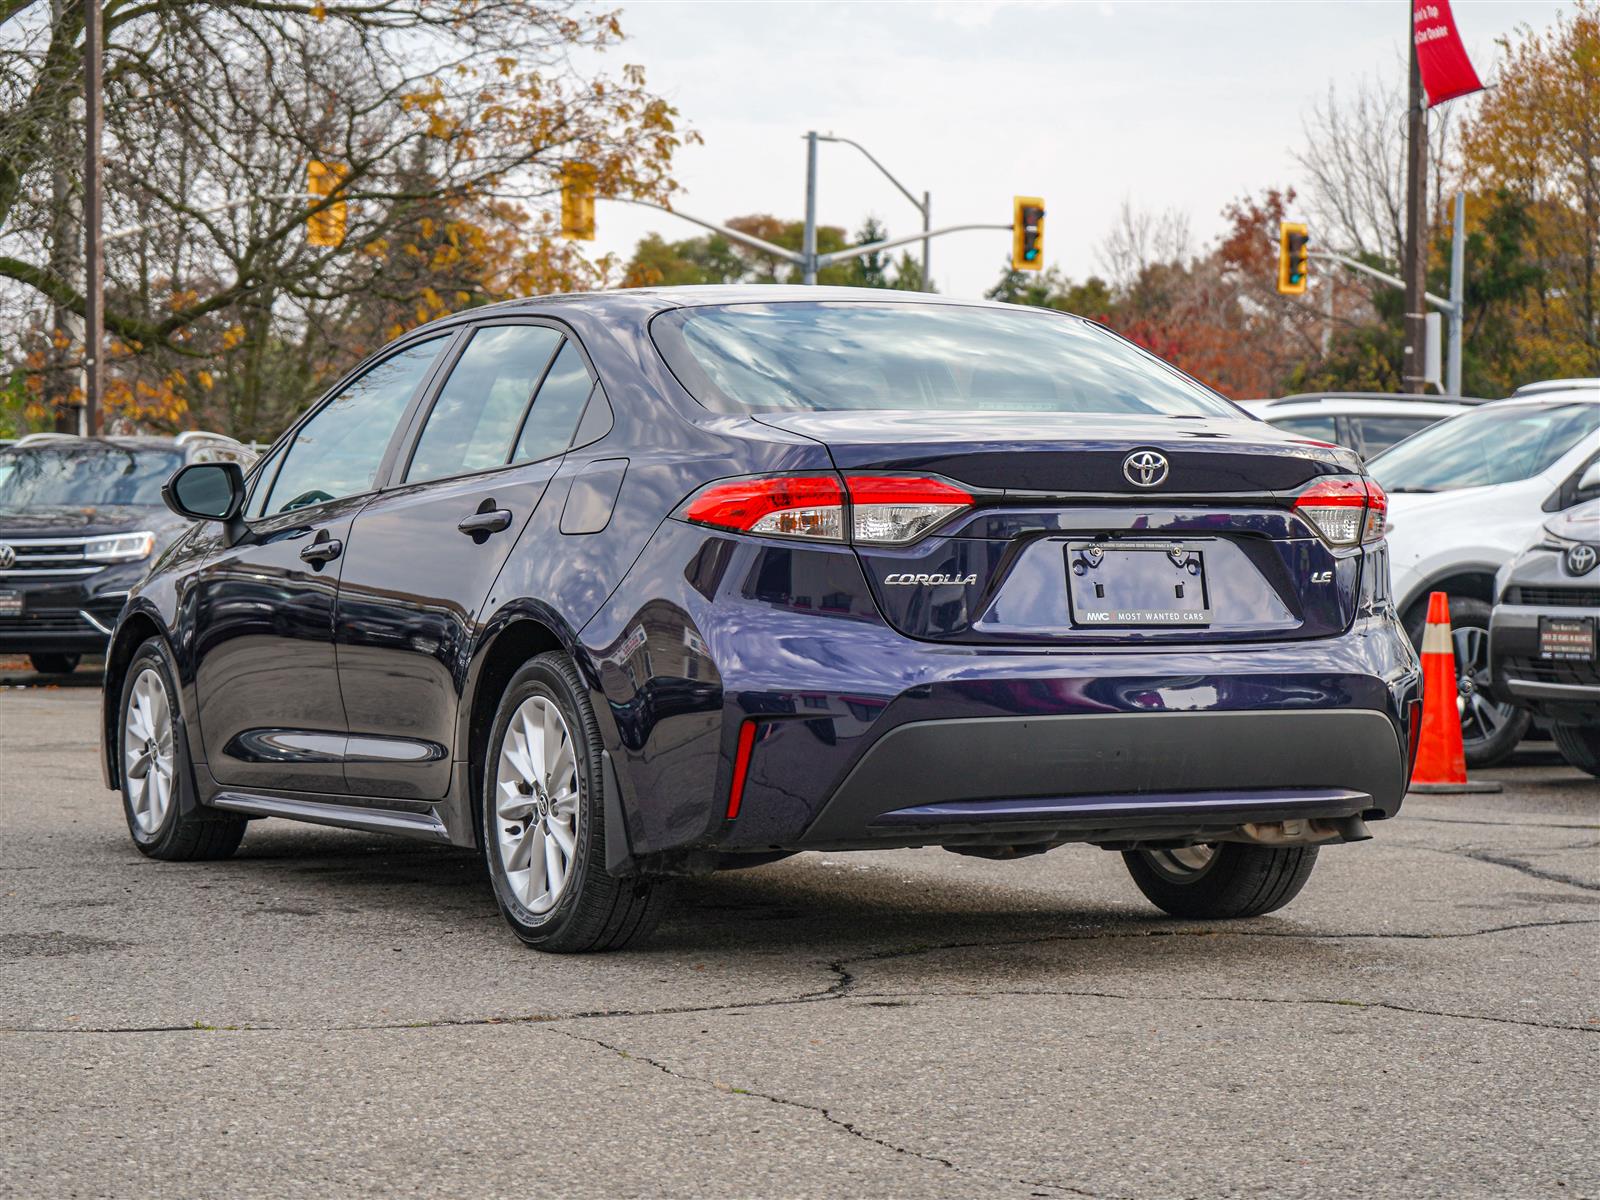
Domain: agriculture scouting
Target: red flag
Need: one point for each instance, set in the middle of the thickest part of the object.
(1446, 70)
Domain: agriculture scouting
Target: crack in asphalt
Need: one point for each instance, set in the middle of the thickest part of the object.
(844, 1126)
(1502, 824)
(845, 986)
(1516, 864)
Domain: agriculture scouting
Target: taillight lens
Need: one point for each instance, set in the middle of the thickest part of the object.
(885, 510)
(889, 510)
(1345, 509)
(799, 506)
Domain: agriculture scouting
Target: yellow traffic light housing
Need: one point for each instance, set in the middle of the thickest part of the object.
(1293, 266)
(1027, 233)
(326, 226)
(577, 201)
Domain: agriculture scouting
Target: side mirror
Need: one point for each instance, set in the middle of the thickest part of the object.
(1589, 481)
(206, 492)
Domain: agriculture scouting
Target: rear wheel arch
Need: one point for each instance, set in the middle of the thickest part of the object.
(1474, 582)
(519, 640)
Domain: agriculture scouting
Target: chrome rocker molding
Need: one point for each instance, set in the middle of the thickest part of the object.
(425, 825)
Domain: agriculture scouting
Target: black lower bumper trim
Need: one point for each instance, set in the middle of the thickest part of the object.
(1115, 772)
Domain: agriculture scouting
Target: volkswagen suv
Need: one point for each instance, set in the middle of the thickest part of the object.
(80, 521)
(629, 586)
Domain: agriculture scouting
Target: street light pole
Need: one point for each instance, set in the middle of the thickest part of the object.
(808, 245)
(93, 257)
(923, 206)
(1458, 295)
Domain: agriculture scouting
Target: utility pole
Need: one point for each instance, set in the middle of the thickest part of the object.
(927, 224)
(1415, 266)
(808, 246)
(1458, 294)
(93, 260)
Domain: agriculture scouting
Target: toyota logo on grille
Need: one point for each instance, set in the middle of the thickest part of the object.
(8, 557)
(1145, 468)
(1580, 559)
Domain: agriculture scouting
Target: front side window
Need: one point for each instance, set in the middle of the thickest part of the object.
(863, 355)
(475, 420)
(1486, 446)
(83, 476)
(337, 452)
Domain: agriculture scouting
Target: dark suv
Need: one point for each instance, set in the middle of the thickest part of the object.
(80, 522)
(626, 586)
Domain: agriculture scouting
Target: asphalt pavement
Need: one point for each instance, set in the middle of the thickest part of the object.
(341, 1014)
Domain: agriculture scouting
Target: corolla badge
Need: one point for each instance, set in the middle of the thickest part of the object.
(929, 580)
(8, 557)
(1580, 558)
(1145, 468)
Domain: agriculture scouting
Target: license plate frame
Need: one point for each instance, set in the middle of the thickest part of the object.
(1568, 639)
(10, 604)
(1121, 584)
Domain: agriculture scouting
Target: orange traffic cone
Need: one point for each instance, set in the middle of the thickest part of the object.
(1441, 766)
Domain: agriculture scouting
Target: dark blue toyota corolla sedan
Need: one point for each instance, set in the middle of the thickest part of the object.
(631, 586)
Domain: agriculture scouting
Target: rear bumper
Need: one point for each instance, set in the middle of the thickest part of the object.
(1114, 776)
(1565, 691)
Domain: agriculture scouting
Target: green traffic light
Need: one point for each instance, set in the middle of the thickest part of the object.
(1030, 255)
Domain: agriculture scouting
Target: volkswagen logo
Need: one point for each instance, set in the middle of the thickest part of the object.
(8, 557)
(1145, 468)
(1580, 558)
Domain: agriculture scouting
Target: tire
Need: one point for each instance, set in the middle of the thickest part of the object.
(157, 775)
(542, 820)
(1228, 879)
(1490, 728)
(55, 664)
(1579, 745)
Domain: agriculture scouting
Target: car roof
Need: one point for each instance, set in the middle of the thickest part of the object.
(1558, 385)
(1356, 406)
(120, 442)
(1396, 399)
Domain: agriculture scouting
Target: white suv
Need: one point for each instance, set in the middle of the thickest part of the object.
(1466, 495)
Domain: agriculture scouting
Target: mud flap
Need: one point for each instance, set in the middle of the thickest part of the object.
(619, 853)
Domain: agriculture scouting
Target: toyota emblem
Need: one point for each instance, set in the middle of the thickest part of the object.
(8, 557)
(1580, 558)
(1145, 468)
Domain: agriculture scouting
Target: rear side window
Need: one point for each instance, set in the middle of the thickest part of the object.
(337, 452)
(475, 420)
(1324, 429)
(1379, 433)
(557, 408)
(815, 356)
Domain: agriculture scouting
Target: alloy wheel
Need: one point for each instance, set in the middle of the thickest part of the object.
(536, 804)
(1481, 715)
(147, 751)
(1183, 864)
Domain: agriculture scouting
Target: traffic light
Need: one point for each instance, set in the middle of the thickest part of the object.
(577, 201)
(1293, 267)
(326, 226)
(1027, 233)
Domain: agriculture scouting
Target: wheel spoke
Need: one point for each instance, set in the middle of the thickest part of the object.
(563, 837)
(555, 865)
(513, 805)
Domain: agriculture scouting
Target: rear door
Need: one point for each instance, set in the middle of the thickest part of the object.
(425, 553)
(268, 688)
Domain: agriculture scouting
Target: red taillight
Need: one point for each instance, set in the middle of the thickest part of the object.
(888, 510)
(1344, 509)
(741, 767)
(804, 506)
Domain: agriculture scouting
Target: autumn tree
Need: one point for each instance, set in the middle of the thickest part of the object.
(1535, 140)
(449, 122)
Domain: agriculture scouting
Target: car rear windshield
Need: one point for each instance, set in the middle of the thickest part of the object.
(828, 355)
(1486, 446)
(45, 476)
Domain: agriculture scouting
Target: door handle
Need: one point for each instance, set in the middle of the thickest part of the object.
(481, 524)
(325, 550)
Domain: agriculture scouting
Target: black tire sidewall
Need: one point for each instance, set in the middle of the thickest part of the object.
(1579, 745)
(152, 654)
(54, 664)
(543, 677)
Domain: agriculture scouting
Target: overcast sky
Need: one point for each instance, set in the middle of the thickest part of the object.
(1181, 105)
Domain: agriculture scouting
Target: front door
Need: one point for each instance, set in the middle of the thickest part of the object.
(424, 555)
(271, 715)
